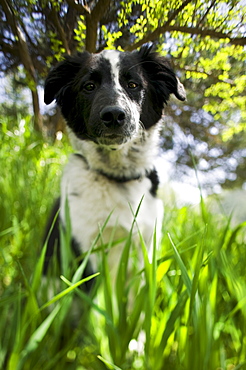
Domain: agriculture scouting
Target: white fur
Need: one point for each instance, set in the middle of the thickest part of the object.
(92, 196)
(134, 157)
(113, 57)
(121, 97)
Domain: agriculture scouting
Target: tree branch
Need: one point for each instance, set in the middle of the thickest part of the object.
(92, 18)
(92, 21)
(206, 13)
(60, 30)
(9, 48)
(20, 40)
(189, 30)
(81, 9)
(100, 9)
(175, 13)
(70, 22)
(208, 32)
(25, 58)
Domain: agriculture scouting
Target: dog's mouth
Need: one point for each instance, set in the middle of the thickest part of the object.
(112, 139)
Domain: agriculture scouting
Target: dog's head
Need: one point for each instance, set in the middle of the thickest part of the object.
(108, 97)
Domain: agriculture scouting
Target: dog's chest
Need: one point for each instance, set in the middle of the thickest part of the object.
(93, 199)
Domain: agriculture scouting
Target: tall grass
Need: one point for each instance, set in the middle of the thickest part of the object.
(185, 310)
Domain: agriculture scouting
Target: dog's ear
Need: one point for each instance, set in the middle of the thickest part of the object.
(161, 74)
(61, 77)
(180, 91)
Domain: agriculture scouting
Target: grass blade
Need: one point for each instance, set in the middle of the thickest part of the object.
(109, 364)
(67, 290)
(182, 267)
(38, 336)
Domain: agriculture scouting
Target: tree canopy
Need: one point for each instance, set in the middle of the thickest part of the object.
(205, 41)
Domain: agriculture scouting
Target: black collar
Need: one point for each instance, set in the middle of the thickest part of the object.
(120, 179)
(151, 175)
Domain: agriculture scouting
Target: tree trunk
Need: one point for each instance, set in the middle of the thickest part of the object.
(91, 34)
(92, 21)
(26, 61)
(38, 120)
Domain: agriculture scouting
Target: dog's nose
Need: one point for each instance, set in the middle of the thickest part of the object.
(113, 116)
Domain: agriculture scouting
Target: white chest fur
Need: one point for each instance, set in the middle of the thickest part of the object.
(92, 198)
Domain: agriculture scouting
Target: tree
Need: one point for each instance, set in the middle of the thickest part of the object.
(206, 40)
(24, 56)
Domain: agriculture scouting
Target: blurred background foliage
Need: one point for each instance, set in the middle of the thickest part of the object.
(189, 309)
(205, 41)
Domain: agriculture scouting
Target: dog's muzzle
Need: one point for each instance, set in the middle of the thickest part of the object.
(113, 116)
(115, 125)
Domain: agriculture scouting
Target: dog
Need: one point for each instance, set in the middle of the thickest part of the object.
(113, 106)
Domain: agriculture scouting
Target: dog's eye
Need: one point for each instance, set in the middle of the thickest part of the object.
(90, 86)
(132, 85)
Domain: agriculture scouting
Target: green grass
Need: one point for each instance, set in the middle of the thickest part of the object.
(185, 310)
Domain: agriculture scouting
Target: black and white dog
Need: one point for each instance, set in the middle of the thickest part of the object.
(112, 103)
